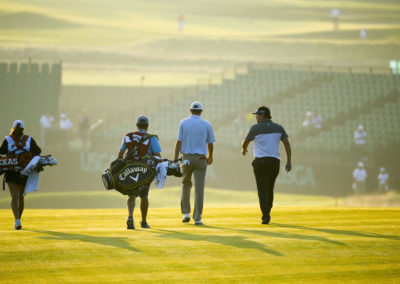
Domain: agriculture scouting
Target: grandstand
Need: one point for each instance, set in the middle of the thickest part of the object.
(28, 89)
(343, 99)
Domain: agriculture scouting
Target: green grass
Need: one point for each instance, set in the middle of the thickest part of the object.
(301, 245)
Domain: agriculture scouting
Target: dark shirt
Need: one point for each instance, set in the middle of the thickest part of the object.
(84, 124)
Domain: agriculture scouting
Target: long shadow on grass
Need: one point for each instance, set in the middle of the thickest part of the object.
(340, 232)
(234, 241)
(106, 241)
(291, 236)
(281, 235)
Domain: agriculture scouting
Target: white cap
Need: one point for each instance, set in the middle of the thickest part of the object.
(360, 164)
(309, 113)
(382, 169)
(196, 106)
(361, 127)
(20, 122)
(63, 115)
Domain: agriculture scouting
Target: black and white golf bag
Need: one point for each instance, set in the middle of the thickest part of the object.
(130, 177)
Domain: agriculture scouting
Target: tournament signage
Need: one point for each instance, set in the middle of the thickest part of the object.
(6, 162)
(133, 174)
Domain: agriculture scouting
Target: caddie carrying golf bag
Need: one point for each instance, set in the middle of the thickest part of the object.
(136, 171)
(133, 173)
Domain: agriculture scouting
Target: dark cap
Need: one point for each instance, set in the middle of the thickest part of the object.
(263, 110)
(142, 119)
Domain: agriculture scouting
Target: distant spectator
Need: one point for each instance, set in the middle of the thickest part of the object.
(308, 122)
(363, 33)
(84, 128)
(383, 178)
(142, 79)
(359, 178)
(335, 16)
(317, 121)
(65, 126)
(46, 123)
(181, 21)
(394, 66)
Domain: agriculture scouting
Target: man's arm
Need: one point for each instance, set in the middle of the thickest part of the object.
(178, 146)
(288, 150)
(210, 153)
(245, 144)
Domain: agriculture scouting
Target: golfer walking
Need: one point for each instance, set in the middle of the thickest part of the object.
(195, 137)
(266, 135)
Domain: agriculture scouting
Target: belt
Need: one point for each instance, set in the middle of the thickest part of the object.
(202, 157)
(266, 158)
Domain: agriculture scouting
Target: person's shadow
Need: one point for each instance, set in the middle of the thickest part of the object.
(340, 232)
(106, 241)
(233, 241)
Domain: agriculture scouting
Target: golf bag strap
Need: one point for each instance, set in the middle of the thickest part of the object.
(142, 139)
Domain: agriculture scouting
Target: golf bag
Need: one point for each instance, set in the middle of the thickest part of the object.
(130, 177)
(15, 162)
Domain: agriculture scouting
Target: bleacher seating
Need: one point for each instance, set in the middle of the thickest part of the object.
(290, 93)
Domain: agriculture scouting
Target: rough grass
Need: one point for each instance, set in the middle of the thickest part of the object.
(170, 197)
(301, 245)
(160, 198)
(89, 37)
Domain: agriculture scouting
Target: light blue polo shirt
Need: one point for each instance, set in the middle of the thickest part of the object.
(195, 133)
(153, 148)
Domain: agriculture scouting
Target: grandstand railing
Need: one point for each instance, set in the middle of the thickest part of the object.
(230, 73)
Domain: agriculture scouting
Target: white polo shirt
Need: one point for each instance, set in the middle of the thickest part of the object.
(360, 174)
(195, 133)
(266, 135)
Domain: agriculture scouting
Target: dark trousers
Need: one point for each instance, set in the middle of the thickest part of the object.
(266, 170)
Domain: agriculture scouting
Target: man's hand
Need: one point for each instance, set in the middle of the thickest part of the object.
(209, 160)
(288, 166)
(245, 144)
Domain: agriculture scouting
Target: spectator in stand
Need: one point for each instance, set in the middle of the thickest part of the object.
(359, 178)
(46, 123)
(317, 121)
(383, 178)
(360, 140)
(308, 122)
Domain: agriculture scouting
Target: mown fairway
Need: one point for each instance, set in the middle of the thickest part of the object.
(301, 245)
